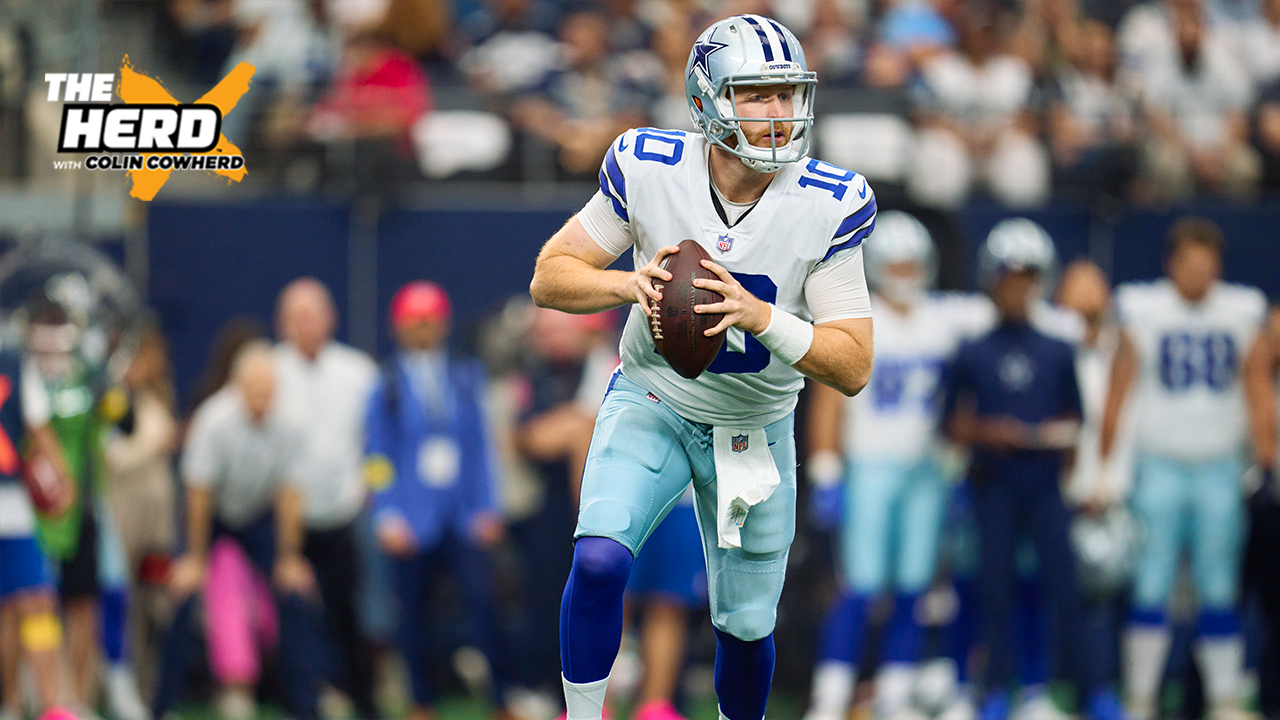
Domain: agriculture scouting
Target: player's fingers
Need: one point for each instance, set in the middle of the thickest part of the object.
(714, 286)
(720, 327)
(712, 308)
(719, 271)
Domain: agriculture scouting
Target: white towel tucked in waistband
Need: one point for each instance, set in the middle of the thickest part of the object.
(745, 477)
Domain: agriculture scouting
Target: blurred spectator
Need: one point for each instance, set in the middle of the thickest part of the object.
(379, 93)
(911, 32)
(323, 387)
(286, 43)
(670, 43)
(240, 470)
(208, 36)
(1091, 122)
(429, 460)
(1047, 35)
(1260, 44)
(420, 28)
(233, 335)
(586, 102)
(975, 123)
(833, 48)
(1269, 136)
(512, 49)
(1195, 105)
(140, 491)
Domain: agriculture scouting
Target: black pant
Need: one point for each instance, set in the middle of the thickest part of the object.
(349, 661)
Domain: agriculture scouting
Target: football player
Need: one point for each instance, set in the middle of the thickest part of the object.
(1184, 340)
(786, 234)
(885, 441)
(1012, 396)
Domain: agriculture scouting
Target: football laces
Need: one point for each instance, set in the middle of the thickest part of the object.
(655, 320)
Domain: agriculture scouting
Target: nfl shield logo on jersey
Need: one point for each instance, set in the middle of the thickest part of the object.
(724, 243)
(739, 443)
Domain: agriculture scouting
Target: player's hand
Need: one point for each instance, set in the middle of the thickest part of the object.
(741, 309)
(394, 536)
(186, 576)
(640, 284)
(293, 574)
(1005, 433)
(826, 506)
(486, 529)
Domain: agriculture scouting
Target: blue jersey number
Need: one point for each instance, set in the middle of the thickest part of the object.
(670, 145)
(756, 357)
(834, 183)
(1187, 360)
(891, 378)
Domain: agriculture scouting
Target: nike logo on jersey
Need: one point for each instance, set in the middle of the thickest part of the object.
(622, 144)
(862, 192)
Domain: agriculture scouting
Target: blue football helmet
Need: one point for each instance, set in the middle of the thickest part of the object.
(741, 51)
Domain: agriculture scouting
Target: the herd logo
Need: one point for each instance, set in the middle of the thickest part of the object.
(151, 133)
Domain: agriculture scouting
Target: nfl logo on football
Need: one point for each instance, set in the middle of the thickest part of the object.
(723, 243)
(739, 443)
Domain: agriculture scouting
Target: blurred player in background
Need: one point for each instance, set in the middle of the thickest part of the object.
(93, 575)
(239, 467)
(790, 230)
(877, 455)
(324, 386)
(1103, 532)
(1185, 340)
(29, 624)
(1012, 397)
(429, 461)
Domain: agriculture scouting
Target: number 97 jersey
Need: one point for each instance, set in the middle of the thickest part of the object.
(812, 214)
(1191, 400)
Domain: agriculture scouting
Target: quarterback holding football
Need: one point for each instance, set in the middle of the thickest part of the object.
(782, 235)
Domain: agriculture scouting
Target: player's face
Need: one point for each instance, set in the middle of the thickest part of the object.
(422, 334)
(258, 386)
(1194, 268)
(766, 101)
(1014, 292)
(902, 282)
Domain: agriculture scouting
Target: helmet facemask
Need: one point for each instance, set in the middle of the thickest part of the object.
(762, 159)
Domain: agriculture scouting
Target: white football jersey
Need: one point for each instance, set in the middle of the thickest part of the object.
(1192, 401)
(896, 416)
(659, 185)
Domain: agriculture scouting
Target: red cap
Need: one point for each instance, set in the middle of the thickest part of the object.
(417, 301)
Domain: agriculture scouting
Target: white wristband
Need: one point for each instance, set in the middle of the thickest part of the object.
(787, 336)
(825, 469)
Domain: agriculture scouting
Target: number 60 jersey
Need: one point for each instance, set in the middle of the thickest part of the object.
(1191, 402)
(813, 215)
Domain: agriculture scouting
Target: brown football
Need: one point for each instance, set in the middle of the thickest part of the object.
(677, 330)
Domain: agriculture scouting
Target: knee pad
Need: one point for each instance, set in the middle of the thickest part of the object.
(745, 592)
(40, 632)
(602, 560)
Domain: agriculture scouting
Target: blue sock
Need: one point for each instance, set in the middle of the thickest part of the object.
(114, 611)
(905, 638)
(744, 671)
(1217, 622)
(842, 635)
(591, 609)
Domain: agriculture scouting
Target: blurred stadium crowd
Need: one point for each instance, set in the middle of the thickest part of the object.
(945, 99)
